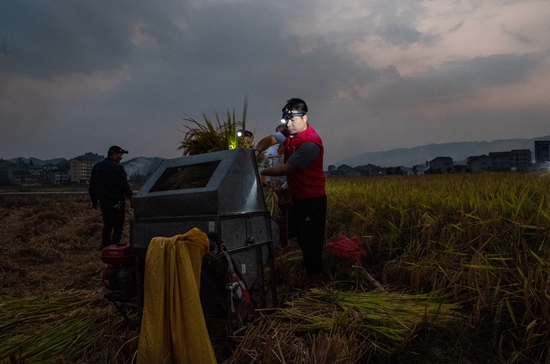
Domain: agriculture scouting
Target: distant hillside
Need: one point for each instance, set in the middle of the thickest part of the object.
(459, 151)
(92, 157)
(142, 166)
(39, 162)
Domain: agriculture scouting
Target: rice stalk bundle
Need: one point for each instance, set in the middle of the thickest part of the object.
(47, 330)
(272, 202)
(383, 318)
(214, 137)
(327, 326)
(16, 311)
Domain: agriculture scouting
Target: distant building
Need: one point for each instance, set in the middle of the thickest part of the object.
(480, 163)
(24, 178)
(370, 170)
(542, 151)
(5, 167)
(48, 167)
(519, 159)
(441, 165)
(344, 168)
(36, 172)
(346, 171)
(57, 176)
(80, 170)
(419, 168)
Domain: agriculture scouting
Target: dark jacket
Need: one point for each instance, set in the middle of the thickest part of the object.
(109, 182)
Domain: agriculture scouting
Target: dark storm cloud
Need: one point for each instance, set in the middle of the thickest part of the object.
(224, 48)
(495, 70)
(228, 35)
(455, 79)
(43, 38)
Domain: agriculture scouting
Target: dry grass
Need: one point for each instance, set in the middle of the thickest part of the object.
(48, 247)
(50, 284)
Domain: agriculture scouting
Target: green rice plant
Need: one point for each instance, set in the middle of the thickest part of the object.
(214, 137)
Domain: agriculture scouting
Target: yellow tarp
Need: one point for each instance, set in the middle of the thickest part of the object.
(173, 329)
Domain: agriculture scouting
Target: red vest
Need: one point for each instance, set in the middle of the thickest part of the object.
(309, 182)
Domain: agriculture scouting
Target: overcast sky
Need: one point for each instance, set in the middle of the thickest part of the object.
(79, 76)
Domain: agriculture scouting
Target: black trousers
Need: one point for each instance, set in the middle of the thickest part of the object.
(114, 212)
(310, 221)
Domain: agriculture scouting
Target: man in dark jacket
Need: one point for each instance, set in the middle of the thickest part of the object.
(109, 189)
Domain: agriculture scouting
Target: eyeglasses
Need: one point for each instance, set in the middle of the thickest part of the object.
(289, 114)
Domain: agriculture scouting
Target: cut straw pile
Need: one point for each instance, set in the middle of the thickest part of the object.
(46, 330)
(364, 323)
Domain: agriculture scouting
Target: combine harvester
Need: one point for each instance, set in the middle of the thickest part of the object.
(218, 196)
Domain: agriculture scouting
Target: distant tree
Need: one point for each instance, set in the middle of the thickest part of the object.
(63, 165)
(92, 156)
(4, 177)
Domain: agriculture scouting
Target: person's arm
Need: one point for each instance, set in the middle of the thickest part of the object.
(300, 159)
(283, 170)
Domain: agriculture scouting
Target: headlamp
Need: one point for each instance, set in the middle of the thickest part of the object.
(289, 114)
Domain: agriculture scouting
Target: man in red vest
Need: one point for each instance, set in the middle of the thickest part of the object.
(303, 168)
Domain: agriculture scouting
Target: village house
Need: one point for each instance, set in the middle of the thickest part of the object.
(57, 176)
(80, 170)
(479, 163)
(440, 165)
(519, 159)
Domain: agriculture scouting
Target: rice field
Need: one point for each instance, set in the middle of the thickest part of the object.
(480, 239)
(457, 270)
(478, 243)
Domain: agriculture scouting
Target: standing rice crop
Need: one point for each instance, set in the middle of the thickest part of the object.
(482, 238)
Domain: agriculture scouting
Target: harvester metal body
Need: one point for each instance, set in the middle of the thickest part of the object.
(221, 194)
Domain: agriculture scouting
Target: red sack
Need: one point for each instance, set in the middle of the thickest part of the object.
(352, 248)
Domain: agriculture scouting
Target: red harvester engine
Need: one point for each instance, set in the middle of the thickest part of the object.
(120, 274)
